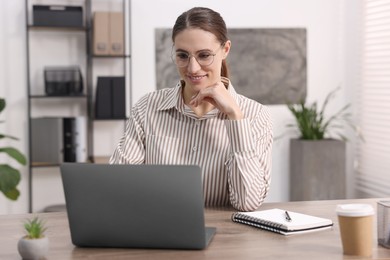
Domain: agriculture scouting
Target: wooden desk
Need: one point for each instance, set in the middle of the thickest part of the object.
(232, 241)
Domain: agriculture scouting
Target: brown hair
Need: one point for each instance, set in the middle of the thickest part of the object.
(207, 20)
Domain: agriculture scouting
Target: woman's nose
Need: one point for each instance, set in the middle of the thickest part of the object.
(193, 65)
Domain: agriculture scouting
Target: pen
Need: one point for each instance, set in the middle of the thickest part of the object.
(288, 218)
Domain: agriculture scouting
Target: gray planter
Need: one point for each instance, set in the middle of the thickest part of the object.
(33, 249)
(317, 169)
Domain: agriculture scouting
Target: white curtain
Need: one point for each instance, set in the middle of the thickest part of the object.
(373, 171)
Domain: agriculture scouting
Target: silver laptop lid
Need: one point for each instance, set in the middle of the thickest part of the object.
(140, 206)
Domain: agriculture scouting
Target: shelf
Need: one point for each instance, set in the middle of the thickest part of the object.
(50, 97)
(96, 159)
(101, 159)
(83, 104)
(44, 164)
(56, 28)
(110, 56)
(109, 119)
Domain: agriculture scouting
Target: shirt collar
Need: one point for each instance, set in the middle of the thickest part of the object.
(174, 98)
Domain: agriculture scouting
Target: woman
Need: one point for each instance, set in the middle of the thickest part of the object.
(203, 120)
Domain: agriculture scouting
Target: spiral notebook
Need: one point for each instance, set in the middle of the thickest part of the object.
(282, 221)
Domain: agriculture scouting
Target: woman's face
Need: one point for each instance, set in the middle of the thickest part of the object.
(198, 44)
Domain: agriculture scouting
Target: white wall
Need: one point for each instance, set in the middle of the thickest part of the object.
(328, 23)
(351, 52)
(13, 88)
(325, 52)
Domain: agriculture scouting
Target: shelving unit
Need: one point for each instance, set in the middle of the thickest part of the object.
(79, 41)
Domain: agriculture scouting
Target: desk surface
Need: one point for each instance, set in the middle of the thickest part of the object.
(232, 241)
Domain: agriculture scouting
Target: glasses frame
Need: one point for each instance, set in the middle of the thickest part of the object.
(190, 55)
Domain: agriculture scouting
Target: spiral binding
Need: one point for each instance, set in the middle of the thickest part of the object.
(259, 223)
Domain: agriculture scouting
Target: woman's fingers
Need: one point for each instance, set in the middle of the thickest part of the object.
(220, 98)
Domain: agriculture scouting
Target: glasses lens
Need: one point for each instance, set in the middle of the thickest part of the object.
(181, 59)
(205, 58)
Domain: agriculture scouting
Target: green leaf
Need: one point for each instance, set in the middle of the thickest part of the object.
(312, 124)
(2, 104)
(9, 179)
(14, 153)
(34, 228)
(8, 136)
(12, 194)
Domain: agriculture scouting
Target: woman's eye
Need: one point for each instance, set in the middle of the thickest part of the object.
(204, 56)
(182, 56)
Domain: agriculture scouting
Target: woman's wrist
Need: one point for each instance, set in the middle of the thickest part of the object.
(236, 115)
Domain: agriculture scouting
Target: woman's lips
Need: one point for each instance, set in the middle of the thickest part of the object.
(195, 78)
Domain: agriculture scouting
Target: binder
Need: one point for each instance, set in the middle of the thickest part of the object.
(103, 98)
(81, 139)
(69, 139)
(282, 221)
(110, 98)
(118, 97)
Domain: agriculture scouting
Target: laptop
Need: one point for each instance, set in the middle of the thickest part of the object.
(135, 206)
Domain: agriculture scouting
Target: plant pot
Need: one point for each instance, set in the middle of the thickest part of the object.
(317, 169)
(33, 248)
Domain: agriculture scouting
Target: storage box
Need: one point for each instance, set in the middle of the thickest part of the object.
(383, 223)
(57, 15)
(116, 34)
(63, 81)
(56, 140)
(101, 33)
(108, 33)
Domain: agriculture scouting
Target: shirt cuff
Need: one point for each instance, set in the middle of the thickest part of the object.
(240, 135)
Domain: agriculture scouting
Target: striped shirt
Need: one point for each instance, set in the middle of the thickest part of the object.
(235, 155)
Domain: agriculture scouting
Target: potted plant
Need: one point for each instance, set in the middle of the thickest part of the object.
(317, 156)
(34, 245)
(9, 176)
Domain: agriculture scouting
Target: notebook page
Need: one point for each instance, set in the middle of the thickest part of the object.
(277, 217)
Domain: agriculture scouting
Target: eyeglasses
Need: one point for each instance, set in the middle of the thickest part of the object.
(204, 58)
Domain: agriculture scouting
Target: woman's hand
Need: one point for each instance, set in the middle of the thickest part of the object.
(219, 97)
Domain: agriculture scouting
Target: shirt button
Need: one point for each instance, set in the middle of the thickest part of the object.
(194, 148)
(197, 123)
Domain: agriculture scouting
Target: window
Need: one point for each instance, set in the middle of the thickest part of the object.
(373, 172)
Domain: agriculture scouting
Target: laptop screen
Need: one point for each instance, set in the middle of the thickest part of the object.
(142, 206)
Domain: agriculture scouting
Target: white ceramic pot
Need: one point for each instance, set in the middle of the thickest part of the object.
(33, 248)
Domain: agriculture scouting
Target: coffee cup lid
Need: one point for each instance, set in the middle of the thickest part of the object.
(355, 210)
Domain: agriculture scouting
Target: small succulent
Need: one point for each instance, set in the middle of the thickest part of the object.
(35, 228)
